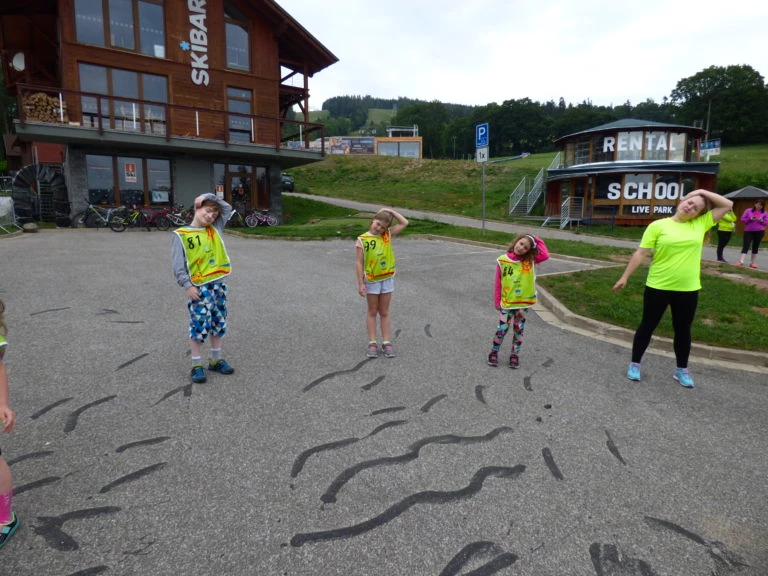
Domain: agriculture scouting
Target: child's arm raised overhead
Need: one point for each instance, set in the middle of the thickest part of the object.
(542, 251)
(402, 222)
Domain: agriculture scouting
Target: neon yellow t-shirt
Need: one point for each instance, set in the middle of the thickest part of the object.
(677, 248)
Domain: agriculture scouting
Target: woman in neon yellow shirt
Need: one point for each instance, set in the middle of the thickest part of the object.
(674, 277)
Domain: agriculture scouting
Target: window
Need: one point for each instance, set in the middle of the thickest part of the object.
(137, 25)
(656, 144)
(629, 146)
(240, 127)
(121, 114)
(125, 180)
(151, 33)
(238, 43)
(101, 179)
(582, 152)
(601, 152)
(677, 147)
(121, 29)
(89, 22)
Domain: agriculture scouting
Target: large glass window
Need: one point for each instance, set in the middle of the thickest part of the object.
(125, 114)
(93, 79)
(154, 89)
(125, 180)
(677, 147)
(240, 127)
(237, 38)
(151, 29)
(130, 179)
(656, 145)
(582, 152)
(159, 181)
(629, 145)
(101, 179)
(121, 29)
(599, 152)
(132, 24)
(89, 22)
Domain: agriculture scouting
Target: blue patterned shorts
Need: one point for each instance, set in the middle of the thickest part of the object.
(208, 316)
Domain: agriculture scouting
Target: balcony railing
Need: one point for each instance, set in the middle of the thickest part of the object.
(129, 115)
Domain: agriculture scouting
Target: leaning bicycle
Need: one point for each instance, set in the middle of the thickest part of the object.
(94, 216)
(260, 218)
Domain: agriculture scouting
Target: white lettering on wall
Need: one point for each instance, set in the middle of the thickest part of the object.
(198, 42)
(644, 191)
(657, 141)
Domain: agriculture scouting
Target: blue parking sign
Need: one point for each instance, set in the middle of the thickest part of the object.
(482, 134)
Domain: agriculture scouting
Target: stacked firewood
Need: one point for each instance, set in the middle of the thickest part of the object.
(39, 106)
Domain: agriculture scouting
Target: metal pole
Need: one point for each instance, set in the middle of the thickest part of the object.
(483, 226)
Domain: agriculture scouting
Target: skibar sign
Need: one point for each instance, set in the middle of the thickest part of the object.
(198, 42)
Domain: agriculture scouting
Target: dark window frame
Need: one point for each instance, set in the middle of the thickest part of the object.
(106, 40)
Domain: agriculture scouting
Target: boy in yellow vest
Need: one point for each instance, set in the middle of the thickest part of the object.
(200, 264)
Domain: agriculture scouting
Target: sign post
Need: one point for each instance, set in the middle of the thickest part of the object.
(482, 137)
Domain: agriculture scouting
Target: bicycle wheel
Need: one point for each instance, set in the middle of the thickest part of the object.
(93, 221)
(271, 220)
(117, 223)
(163, 223)
(142, 222)
(252, 220)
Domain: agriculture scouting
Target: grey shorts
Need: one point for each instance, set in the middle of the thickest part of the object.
(380, 287)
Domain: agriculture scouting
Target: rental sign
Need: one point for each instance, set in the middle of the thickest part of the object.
(198, 42)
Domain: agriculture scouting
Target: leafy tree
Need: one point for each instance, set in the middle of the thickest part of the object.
(732, 101)
(431, 118)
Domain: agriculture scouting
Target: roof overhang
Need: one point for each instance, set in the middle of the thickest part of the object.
(134, 143)
(638, 167)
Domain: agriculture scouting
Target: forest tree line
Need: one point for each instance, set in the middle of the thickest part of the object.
(731, 102)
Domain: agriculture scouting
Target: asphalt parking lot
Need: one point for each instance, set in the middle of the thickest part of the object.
(312, 460)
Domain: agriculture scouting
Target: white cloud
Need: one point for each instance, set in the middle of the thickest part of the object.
(495, 50)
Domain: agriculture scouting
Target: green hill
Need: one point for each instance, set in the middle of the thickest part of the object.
(455, 186)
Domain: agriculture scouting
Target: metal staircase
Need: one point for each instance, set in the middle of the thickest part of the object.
(525, 196)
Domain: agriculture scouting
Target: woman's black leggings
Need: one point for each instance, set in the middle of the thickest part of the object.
(683, 306)
(754, 237)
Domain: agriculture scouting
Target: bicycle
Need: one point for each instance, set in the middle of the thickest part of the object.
(176, 216)
(238, 221)
(129, 218)
(94, 216)
(260, 218)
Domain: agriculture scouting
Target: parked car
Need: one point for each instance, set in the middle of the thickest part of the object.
(287, 182)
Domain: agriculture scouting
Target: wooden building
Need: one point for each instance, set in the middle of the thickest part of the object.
(628, 172)
(157, 101)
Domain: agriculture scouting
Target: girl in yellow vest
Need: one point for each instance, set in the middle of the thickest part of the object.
(375, 271)
(724, 231)
(200, 264)
(515, 292)
(8, 521)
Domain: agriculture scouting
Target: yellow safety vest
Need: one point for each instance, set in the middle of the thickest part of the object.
(378, 256)
(518, 283)
(207, 259)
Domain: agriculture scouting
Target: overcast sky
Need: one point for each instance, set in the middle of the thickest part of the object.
(480, 51)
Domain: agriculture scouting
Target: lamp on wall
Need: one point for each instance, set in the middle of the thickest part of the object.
(18, 62)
